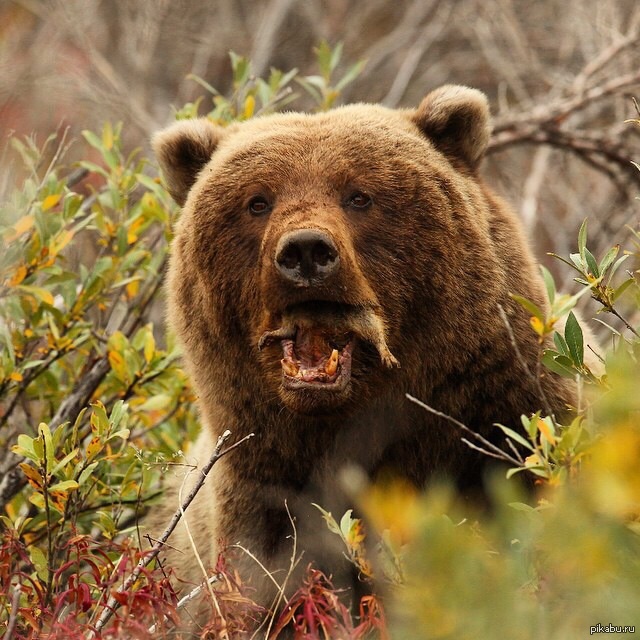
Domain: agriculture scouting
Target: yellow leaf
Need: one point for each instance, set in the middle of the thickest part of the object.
(40, 294)
(51, 201)
(249, 107)
(16, 377)
(532, 461)
(537, 325)
(21, 226)
(93, 448)
(118, 365)
(546, 432)
(61, 241)
(107, 136)
(133, 230)
(132, 289)
(149, 345)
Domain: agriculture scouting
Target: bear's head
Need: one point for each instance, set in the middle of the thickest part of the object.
(315, 253)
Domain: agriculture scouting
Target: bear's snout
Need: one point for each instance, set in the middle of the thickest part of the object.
(306, 256)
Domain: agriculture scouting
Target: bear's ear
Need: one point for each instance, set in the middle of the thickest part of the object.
(457, 120)
(183, 149)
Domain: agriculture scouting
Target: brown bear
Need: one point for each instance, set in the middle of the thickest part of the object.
(325, 266)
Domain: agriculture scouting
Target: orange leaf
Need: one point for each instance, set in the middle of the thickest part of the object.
(19, 275)
(33, 475)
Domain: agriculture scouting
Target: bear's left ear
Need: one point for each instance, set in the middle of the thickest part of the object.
(457, 120)
(183, 149)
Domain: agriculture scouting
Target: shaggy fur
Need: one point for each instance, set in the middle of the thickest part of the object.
(424, 254)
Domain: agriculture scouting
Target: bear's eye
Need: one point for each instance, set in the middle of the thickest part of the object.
(359, 200)
(259, 206)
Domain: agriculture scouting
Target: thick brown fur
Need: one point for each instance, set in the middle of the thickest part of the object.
(431, 256)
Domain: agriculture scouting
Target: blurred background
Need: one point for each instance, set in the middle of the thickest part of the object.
(560, 76)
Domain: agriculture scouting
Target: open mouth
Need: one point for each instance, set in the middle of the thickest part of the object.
(314, 359)
(318, 339)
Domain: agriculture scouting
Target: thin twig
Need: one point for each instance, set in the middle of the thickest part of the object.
(626, 324)
(492, 449)
(112, 604)
(292, 565)
(535, 377)
(13, 614)
(185, 600)
(223, 633)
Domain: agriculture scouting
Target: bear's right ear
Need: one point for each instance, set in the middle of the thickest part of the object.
(183, 149)
(457, 121)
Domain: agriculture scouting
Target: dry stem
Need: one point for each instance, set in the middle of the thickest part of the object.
(112, 604)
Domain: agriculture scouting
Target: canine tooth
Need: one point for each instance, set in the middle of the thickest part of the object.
(332, 363)
(290, 368)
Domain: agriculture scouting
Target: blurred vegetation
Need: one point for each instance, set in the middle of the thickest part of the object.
(77, 64)
(95, 408)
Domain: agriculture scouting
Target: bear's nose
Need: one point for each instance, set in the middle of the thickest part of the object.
(306, 255)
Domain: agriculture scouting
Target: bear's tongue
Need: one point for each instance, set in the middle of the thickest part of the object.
(311, 357)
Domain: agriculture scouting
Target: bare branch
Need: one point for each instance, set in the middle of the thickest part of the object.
(112, 604)
(534, 376)
(491, 449)
(13, 615)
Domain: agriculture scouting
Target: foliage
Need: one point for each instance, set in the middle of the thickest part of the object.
(556, 563)
(90, 385)
(93, 403)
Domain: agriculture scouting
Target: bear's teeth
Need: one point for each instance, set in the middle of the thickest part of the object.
(332, 363)
(290, 368)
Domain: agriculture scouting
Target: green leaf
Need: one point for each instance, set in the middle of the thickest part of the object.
(529, 424)
(531, 307)
(39, 561)
(512, 472)
(521, 506)
(514, 435)
(92, 139)
(25, 448)
(346, 522)
(622, 288)
(608, 258)
(241, 69)
(119, 413)
(591, 263)
(352, 73)
(617, 264)
(45, 433)
(574, 338)
(156, 402)
(64, 487)
(582, 239)
(86, 472)
(557, 364)
(549, 283)
(63, 463)
(561, 344)
(203, 83)
(329, 519)
(324, 57)
(577, 261)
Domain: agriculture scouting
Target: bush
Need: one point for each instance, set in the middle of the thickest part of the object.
(94, 407)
